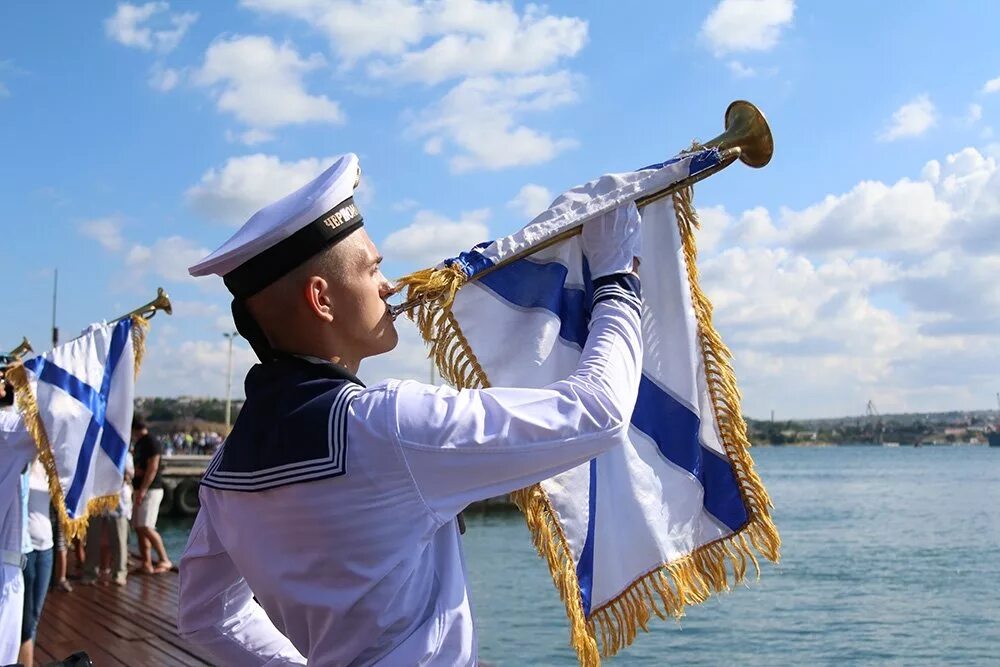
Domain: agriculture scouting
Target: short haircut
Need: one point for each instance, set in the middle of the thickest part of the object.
(138, 423)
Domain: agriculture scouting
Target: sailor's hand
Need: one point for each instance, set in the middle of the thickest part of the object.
(612, 242)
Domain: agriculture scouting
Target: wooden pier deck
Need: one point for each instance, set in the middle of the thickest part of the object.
(117, 626)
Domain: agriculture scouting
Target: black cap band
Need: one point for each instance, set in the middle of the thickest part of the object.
(260, 271)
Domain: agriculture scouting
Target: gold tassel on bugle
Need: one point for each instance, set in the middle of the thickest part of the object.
(667, 589)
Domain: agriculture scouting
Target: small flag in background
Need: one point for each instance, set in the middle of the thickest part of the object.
(76, 400)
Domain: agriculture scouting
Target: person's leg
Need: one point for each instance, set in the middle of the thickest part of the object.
(92, 561)
(25, 654)
(119, 549)
(139, 522)
(152, 510)
(79, 553)
(163, 563)
(145, 559)
(35, 590)
(11, 611)
(44, 575)
(107, 527)
(59, 553)
(163, 560)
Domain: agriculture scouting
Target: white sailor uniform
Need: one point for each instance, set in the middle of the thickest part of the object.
(335, 504)
(16, 451)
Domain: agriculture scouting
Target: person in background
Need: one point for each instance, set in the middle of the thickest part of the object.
(38, 561)
(112, 527)
(148, 485)
(59, 558)
(17, 450)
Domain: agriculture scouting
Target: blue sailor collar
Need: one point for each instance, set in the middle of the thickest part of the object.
(291, 429)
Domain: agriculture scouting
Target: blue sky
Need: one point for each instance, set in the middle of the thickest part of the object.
(861, 263)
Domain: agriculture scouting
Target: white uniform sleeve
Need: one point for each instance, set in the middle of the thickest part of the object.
(15, 442)
(216, 609)
(463, 446)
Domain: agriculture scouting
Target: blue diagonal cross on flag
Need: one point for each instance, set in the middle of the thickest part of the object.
(77, 402)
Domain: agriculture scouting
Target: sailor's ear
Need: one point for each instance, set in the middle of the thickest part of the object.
(317, 295)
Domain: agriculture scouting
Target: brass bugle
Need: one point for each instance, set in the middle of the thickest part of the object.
(161, 302)
(22, 350)
(747, 138)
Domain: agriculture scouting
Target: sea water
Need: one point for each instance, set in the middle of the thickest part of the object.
(890, 556)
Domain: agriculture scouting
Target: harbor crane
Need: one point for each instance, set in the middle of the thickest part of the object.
(874, 427)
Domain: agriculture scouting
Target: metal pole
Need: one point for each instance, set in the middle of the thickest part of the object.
(229, 379)
(55, 331)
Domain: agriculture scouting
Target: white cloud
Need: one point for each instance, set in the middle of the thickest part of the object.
(199, 310)
(129, 25)
(433, 42)
(531, 200)
(432, 237)
(911, 120)
(907, 216)
(163, 79)
(356, 30)
(261, 83)
(885, 291)
(405, 205)
(192, 367)
(975, 113)
(106, 231)
(255, 136)
(741, 71)
(714, 223)
(992, 86)
(483, 38)
(746, 25)
(500, 61)
(233, 192)
(480, 119)
(167, 258)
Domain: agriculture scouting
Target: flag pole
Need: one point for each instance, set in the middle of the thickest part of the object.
(747, 138)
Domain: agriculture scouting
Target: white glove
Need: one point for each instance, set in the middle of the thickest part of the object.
(612, 241)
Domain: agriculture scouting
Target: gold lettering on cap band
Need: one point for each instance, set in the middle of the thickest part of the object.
(340, 216)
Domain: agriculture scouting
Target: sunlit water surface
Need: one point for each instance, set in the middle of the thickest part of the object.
(891, 556)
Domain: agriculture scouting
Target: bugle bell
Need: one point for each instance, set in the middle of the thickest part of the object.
(161, 302)
(23, 349)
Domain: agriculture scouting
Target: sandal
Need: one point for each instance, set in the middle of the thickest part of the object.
(163, 566)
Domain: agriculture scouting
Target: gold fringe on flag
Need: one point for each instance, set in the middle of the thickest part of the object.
(27, 406)
(140, 327)
(667, 589)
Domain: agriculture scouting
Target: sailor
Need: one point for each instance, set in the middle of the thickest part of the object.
(17, 449)
(327, 530)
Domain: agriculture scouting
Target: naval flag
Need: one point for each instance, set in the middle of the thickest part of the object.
(678, 513)
(76, 400)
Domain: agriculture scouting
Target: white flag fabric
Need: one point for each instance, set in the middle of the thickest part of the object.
(76, 400)
(679, 512)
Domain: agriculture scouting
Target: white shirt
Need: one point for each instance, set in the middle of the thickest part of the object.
(125, 500)
(39, 522)
(367, 568)
(16, 451)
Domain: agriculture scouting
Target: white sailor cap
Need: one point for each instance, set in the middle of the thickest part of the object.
(281, 236)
